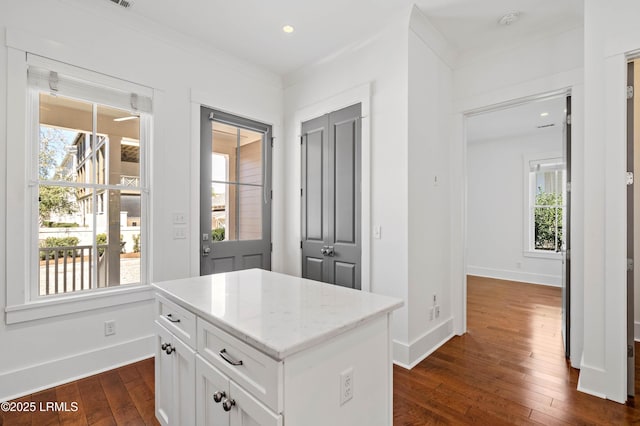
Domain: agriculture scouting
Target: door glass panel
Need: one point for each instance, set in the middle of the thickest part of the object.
(237, 191)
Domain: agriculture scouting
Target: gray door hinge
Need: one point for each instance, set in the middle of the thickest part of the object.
(567, 254)
(301, 192)
(629, 265)
(568, 186)
(272, 142)
(629, 351)
(271, 246)
(629, 92)
(301, 140)
(629, 178)
(569, 119)
(300, 244)
(271, 194)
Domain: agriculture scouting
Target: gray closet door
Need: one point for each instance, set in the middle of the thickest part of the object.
(566, 229)
(235, 193)
(331, 201)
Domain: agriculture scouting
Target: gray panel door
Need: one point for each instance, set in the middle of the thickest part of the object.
(631, 361)
(235, 193)
(331, 202)
(566, 239)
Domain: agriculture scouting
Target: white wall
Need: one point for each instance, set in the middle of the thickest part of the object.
(382, 63)
(43, 352)
(496, 208)
(495, 77)
(429, 138)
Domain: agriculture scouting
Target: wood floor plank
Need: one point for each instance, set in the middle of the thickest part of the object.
(95, 402)
(509, 368)
(122, 406)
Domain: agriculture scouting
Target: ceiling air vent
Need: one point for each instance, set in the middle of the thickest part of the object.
(123, 3)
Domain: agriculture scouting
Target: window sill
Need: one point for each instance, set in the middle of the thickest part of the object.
(70, 304)
(543, 254)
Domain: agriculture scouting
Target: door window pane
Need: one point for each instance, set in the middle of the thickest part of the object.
(237, 191)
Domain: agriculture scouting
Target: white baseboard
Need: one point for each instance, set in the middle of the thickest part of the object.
(526, 277)
(591, 378)
(17, 383)
(410, 355)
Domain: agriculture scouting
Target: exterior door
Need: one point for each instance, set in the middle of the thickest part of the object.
(235, 193)
(566, 240)
(331, 200)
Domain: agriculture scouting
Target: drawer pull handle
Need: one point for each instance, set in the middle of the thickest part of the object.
(217, 397)
(170, 318)
(227, 404)
(223, 354)
(165, 346)
(169, 349)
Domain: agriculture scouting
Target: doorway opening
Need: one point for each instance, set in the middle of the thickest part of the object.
(519, 198)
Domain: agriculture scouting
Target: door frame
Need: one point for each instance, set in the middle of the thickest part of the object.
(360, 94)
(564, 92)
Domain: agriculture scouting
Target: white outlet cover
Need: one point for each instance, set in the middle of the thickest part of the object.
(346, 386)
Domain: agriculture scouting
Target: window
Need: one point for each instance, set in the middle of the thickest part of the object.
(88, 182)
(547, 180)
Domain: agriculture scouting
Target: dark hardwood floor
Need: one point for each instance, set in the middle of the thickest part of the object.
(508, 369)
(124, 396)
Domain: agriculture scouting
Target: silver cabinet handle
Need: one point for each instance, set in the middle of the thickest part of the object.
(223, 354)
(170, 318)
(217, 397)
(227, 404)
(164, 346)
(169, 349)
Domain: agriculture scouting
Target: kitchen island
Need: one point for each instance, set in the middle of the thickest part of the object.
(256, 347)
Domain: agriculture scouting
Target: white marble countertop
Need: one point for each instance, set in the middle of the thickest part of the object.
(275, 313)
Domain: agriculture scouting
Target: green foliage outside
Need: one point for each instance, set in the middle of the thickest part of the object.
(50, 224)
(53, 199)
(217, 234)
(58, 242)
(101, 239)
(136, 243)
(546, 219)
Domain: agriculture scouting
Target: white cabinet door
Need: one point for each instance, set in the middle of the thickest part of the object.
(247, 411)
(184, 375)
(212, 388)
(164, 377)
(175, 380)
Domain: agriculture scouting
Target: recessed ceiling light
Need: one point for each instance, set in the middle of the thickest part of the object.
(509, 18)
(288, 29)
(544, 114)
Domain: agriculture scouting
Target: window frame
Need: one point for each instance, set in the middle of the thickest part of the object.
(529, 196)
(22, 300)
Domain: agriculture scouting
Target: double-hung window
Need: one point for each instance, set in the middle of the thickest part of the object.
(546, 183)
(88, 180)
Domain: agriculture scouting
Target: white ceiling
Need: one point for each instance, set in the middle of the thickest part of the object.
(517, 120)
(252, 29)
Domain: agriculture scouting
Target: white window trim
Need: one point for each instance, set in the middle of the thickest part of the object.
(528, 250)
(20, 247)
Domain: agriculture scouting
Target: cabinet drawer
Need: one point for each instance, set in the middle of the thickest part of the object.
(258, 374)
(177, 320)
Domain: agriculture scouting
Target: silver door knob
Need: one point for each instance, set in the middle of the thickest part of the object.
(227, 404)
(206, 251)
(327, 251)
(217, 397)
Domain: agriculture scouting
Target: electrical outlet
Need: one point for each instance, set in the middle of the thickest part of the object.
(346, 386)
(109, 328)
(437, 309)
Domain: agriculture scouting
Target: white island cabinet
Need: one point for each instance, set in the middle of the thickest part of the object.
(256, 347)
